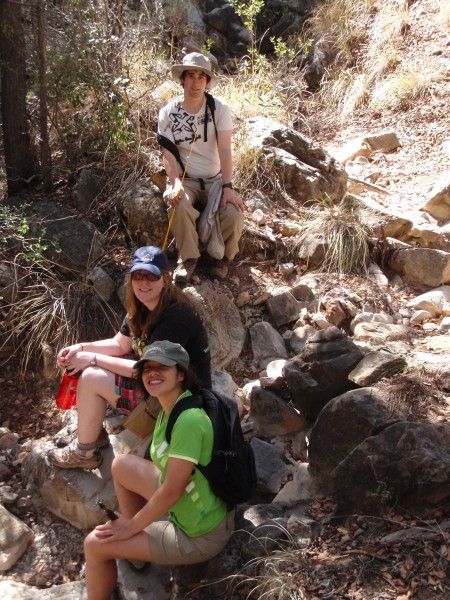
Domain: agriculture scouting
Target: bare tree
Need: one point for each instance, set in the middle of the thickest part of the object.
(45, 154)
(16, 138)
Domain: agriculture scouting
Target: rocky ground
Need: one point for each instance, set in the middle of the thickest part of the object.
(348, 560)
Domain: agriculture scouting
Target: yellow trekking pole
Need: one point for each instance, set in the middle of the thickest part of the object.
(182, 179)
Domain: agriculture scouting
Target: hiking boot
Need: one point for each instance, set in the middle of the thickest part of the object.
(68, 435)
(221, 268)
(184, 270)
(68, 458)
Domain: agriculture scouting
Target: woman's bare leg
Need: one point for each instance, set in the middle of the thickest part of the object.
(135, 480)
(94, 389)
(101, 567)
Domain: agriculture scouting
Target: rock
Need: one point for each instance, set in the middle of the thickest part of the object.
(385, 141)
(80, 243)
(8, 283)
(375, 366)
(420, 316)
(406, 465)
(300, 336)
(422, 265)
(222, 321)
(301, 488)
(313, 250)
(307, 171)
(321, 371)
(283, 308)
(266, 342)
(272, 471)
(242, 299)
(15, 537)
(369, 317)
(86, 190)
(378, 334)
(438, 202)
(436, 302)
(102, 283)
(8, 439)
(271, 415)
(145, 213)
(72, 494)
(381, 220)
(223, 383)
(12, 590)
(343, 424)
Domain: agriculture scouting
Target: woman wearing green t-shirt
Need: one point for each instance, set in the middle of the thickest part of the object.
(199, 524)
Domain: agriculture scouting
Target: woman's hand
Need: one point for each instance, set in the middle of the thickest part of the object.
(113, 531)
(78, 361)
(66, 354)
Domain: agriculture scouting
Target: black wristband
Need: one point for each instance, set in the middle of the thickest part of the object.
(227, 185)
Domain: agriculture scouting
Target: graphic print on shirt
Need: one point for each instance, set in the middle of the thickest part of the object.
(184, 125)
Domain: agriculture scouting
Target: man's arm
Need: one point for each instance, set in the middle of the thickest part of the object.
(226, 166)
(173, 194)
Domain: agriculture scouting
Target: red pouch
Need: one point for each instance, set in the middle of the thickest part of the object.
(67, 393)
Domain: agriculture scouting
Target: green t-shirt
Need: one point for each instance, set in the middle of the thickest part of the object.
(198, 511)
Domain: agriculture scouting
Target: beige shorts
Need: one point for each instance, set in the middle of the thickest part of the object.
(170, 546)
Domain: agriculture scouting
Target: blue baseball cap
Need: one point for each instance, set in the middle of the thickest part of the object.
(150, 258)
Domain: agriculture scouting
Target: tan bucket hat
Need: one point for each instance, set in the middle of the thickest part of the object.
(195, 60)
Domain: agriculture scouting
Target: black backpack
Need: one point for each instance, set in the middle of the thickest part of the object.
(232, 471)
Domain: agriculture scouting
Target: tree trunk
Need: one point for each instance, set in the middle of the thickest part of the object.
(45, 154)
(17, 144)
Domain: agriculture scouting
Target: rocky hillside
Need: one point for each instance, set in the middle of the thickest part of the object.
(399, 555)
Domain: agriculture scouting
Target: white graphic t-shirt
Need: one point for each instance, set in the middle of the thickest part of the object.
(180, 126)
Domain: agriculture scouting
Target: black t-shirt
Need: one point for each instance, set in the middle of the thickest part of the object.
(179, 324)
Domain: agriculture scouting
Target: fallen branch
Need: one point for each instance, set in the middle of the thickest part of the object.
(371, 186)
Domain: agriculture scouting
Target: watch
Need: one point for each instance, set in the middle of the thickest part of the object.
(93, 361)
(227, 185)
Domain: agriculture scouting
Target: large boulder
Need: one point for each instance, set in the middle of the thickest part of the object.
(222, 321)
(422, 265)
(145, 213)
(307, 171)
(321, 371)
(72, 243)
(406, 464)
(342, 425)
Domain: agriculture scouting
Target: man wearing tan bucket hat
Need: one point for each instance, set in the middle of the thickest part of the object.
(194, 131)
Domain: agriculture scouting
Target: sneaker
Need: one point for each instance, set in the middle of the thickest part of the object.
(221, 268)
(184, 270)
(67, 435)
(68, 458)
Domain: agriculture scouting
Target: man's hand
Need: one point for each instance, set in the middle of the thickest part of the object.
(230, 196)
(173, 193)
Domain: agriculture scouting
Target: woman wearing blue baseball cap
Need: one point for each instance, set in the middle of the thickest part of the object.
(157, 310)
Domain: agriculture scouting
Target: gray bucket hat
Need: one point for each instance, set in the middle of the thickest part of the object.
(166, 353)
(192, 61)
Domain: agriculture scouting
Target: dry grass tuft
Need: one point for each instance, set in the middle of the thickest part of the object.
(400, 89)
(344, 237)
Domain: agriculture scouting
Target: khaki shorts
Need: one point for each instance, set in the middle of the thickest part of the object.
(170, 546)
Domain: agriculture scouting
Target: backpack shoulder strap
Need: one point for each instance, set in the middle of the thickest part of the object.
(194, 401)
(211, 104)
(171, 147)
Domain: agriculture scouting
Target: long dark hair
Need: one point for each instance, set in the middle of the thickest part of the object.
(140, 319)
